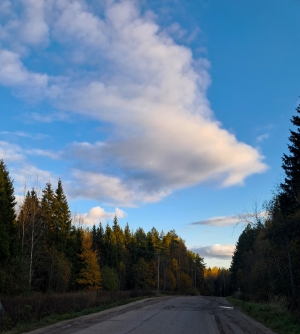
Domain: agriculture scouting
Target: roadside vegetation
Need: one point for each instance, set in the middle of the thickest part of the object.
(265, 267)
(274, 314)
(25, 313)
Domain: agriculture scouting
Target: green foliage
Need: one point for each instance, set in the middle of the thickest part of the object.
(62, 225)
(109, 279)
(266, 264)
(273, 315)
(241, 259)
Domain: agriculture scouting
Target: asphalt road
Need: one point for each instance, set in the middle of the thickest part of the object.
(205, 315)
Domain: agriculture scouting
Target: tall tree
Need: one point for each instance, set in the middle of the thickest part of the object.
(239, 267)
(30, 232)
(8, 225)
(48, 204)
(291, 166)
(89, 275)
(62, 222)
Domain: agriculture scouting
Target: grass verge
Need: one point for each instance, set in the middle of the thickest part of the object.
(272, 316)
(29, 325)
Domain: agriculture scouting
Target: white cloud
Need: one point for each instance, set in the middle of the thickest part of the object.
(215, 251)
(245, 218)
(262, 137)
(14, 74)
(219, 221)
(152, 91)
(10, 152)
(36, 136)
(108, 189)
(30, 174)
(24, 24)
(43, 153)
(97, 214)
(23, 172)
(47, 118)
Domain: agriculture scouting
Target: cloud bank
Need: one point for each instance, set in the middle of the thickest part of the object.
(120, 68)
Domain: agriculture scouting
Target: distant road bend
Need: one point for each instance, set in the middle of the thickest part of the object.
(176, 315)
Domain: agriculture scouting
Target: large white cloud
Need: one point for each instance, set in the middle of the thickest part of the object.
(215, 251)
(147, 87)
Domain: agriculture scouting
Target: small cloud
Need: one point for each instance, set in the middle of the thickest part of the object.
(43, 153)
(37, 136)
(49, 118)
(219, 221)
(222, 221)
(175, 30)
(97, 214)
(10, 152)
(215, 251)
(261, 138)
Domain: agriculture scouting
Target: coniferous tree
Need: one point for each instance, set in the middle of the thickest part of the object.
(62, 221)
(239, 267)
(8, 225)
(291, 166)
(48, 204)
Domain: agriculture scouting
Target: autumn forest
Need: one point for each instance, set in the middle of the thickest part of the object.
(44, 248)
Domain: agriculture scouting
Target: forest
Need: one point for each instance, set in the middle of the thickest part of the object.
(42, 248)
(266, 261)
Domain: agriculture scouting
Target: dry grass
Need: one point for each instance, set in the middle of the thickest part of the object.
(38, 306)
(273, 314)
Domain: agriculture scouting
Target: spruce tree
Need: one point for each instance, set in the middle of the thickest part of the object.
(239, 265)
(62, 222)
(48, 204)
(8, 226)
(290, 196)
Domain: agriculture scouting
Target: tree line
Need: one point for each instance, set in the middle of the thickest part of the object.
(266, 261)
(42, 249)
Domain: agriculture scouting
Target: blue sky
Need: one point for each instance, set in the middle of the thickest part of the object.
(173, 114)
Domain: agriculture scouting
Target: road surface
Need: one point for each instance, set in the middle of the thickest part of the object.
(176, 315)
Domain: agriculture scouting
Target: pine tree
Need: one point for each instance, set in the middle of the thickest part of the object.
(8, 226)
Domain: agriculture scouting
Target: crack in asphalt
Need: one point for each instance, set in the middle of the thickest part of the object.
(143, 322)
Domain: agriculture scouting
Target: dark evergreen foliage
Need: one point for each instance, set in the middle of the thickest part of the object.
(291, 166)
(241, 257)
(50, 253)
(8, 226)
